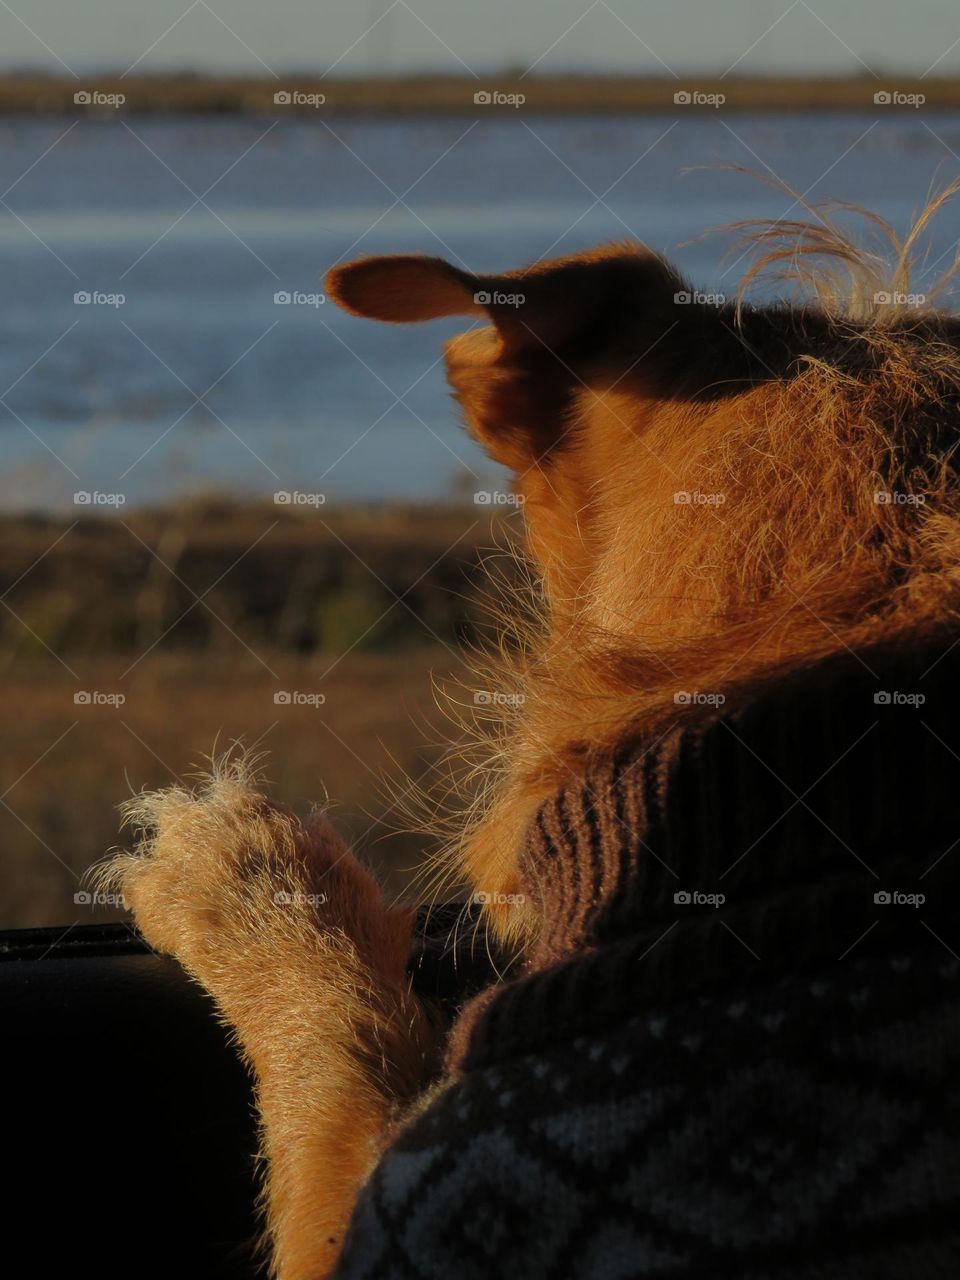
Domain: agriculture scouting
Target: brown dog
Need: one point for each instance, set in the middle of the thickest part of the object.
(716, 499)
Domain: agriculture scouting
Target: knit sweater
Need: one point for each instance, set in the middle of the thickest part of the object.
(734, 1050)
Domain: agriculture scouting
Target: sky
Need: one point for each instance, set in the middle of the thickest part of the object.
(547, 36)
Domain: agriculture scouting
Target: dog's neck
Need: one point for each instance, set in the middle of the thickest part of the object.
(758, 839)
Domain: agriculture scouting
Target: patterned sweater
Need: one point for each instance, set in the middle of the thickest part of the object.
(735, 1050)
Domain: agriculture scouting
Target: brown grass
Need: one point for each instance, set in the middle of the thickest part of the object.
(66, 768)
(109, 606)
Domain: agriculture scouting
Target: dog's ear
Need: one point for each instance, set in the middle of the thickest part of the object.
(544, 306)
(403, 288)
(557, 327)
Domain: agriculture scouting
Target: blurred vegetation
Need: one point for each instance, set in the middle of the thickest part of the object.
(375, 579)
(190, 621)
(32, 93)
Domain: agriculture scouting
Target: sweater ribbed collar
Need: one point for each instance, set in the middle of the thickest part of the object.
(793, 828)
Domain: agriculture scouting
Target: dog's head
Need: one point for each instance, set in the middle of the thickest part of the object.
(554, 354)
(710, 491)
(685, 462)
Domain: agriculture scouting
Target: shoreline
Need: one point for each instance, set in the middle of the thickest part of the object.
(501, 95)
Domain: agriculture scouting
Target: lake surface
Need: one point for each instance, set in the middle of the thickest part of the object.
(199, 381)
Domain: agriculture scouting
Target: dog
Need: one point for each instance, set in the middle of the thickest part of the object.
(716, 830)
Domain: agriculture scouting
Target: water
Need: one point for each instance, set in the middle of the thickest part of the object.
(200, 382)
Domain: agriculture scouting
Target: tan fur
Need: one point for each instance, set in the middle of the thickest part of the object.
(281, 924)
(599, 392)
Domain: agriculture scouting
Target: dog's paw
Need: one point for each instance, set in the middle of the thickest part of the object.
(238, 887)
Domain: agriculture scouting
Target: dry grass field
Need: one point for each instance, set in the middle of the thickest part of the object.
(315, 639)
